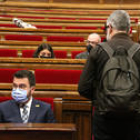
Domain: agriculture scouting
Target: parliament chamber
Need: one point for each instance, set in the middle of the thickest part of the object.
(65, 25)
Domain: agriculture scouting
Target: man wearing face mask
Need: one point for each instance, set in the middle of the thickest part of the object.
(23, 108)
(91, 42)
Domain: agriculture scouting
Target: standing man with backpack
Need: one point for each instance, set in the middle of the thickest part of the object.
(111, 79)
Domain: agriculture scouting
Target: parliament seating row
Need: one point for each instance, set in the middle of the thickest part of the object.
(29, 53)
(61, 26)
(69, 47)
(46, 79)
(45, 76)
(61, 12)
(62, 22)
(26, 37)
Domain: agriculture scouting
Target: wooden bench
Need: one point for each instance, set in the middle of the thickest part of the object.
(50, 32)
(46, 33)
(77, 14)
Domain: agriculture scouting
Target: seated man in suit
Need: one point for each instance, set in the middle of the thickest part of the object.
(91, 42)
(24, 108)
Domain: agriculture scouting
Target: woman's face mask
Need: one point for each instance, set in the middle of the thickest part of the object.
(45, 54)
(19, 95)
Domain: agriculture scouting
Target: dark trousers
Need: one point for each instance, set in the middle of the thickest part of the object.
(113, 127)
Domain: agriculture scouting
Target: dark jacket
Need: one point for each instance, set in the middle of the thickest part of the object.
(40, 112)
(94, 66)
(82, 55)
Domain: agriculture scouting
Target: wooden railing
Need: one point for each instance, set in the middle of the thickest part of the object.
(36, 63)
(54, 4)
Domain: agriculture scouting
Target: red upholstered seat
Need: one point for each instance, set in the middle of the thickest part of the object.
(28, 53)
(8, 25)
(47, 100)
(74, 53)
(23, 37)
(92, 18)
(48, 27)
(6, 75)
(82, 27)
(60, 54)
(8, 53)
(63, 18)
(65, 38)
(10, 16)
(33, 17)
(57, 76)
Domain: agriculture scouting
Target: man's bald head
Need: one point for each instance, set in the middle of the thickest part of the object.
(93, 39)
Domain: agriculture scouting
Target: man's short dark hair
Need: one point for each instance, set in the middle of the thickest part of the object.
(26, 74)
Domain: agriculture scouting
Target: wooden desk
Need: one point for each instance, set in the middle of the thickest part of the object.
(39, 131)
(35, 63)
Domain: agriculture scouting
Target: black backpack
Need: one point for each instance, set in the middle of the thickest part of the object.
(119, 85)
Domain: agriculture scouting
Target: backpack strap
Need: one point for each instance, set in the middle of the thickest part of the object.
(135, 47)
(107, 48)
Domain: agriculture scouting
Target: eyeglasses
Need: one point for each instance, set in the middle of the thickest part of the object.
(91, 42)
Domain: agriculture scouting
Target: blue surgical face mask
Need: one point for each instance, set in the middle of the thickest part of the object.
(19, 95)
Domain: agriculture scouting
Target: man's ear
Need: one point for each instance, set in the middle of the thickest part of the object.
(110, 28)
(32, 89)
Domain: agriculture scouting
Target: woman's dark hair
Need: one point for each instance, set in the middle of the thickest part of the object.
(42, 47)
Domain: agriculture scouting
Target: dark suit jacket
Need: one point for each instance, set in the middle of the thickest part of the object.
(40, 112)
(82, 55)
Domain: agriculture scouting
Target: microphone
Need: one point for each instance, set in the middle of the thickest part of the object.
(22, 24)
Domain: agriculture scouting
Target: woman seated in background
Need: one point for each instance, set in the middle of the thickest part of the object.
(44, 51)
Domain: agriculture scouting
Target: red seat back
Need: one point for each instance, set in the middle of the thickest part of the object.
(28, 53)
(65, 38)
(23, 37)
(60, 54)
(8, 25)
(57, 76)
(82, 27)
(8, 53)
(48, 27)
(6, 75)
(33, 17)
